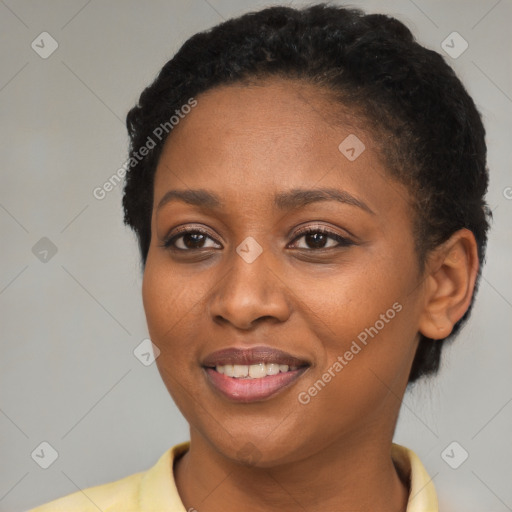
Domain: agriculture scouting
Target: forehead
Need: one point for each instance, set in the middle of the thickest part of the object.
(252, 140)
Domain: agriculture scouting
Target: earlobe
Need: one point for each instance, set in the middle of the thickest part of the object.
(450, 280)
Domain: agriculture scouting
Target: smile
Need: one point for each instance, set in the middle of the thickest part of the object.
(252, 374)
(251, 383)
(253, 371)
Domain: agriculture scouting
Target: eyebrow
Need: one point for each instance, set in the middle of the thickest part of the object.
(295, 198)
(298, 198)
(198, 197)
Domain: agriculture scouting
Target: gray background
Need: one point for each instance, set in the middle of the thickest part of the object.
(69, 325)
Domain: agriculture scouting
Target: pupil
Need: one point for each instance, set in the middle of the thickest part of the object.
(317, 239)
(194, 237)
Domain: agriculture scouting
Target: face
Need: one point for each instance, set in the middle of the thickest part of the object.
(293, 245)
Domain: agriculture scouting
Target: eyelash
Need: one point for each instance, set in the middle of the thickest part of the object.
(342, 241)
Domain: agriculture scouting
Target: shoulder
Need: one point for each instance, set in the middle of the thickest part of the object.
(133, 493)
(422, 493)
(120, 493)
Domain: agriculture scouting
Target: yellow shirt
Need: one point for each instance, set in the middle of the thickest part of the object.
(155, 490)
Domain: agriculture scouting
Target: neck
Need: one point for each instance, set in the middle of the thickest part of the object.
(350, 474)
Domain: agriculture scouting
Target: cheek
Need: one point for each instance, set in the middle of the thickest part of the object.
(367, 316)
(169, 305)
(166, 302)
(175, 307)
(349, 297)
(364, 372)
(364, 332)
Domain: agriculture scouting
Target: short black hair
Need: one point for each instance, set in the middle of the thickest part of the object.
(372, 65)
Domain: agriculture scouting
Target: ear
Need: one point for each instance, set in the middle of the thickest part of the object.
(450, 280)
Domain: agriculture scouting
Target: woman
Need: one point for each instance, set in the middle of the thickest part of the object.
(307, 188)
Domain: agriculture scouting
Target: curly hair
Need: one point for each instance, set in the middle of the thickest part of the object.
(426, 126)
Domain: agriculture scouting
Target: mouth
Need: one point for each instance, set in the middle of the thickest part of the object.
(249, 375)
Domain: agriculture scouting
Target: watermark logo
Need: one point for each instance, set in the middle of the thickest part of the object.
(249, 249)
(44, 455)
(454, 45)
(44, 250)
(249, 454)
(454, 455)
(351, 147)
(146, 352)
(44, 45)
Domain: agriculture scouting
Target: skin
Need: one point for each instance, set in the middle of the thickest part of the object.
(247, 144)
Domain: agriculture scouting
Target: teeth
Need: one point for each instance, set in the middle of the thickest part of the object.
(240, 370)
(229, 370)
(253, 371)
(257, 371)
(272, 369)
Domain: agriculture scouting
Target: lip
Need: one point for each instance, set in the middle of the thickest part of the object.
(252, 390)
(254, 355)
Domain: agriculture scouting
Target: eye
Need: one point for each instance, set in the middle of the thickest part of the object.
(189, 239)
(318, 238)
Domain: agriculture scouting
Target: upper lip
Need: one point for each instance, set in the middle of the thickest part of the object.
(248, 356)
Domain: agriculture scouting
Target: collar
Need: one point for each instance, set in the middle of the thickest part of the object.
(158, 488)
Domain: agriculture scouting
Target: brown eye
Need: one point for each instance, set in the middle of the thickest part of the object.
(319, 238)
(316, 240)
(192, 240)
(189, 240)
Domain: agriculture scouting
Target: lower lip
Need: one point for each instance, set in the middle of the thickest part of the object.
(252, 390)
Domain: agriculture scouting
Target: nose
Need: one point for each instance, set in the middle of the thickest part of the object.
(249, 293)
